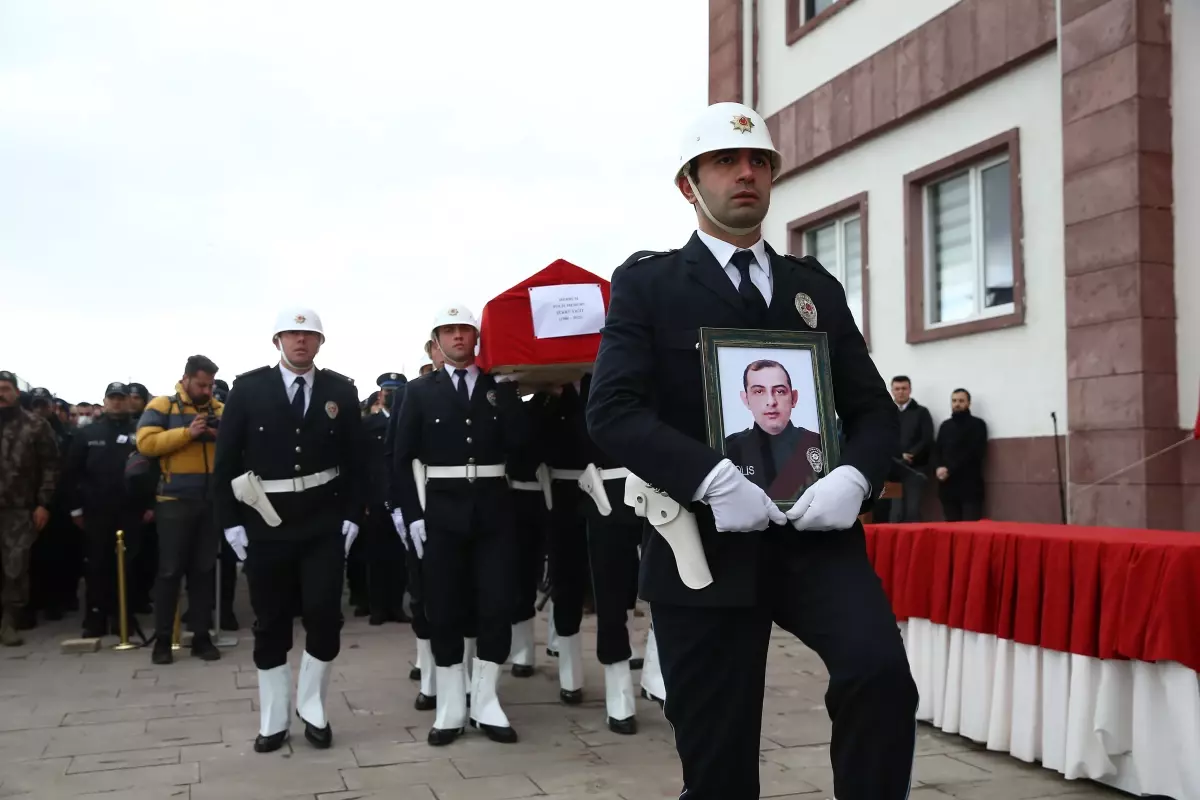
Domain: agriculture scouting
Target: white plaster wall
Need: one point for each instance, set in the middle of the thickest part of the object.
(854, 34)
(1185, 135)
(1016, 376)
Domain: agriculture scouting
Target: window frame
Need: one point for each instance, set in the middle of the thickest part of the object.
(797, 27)
(917, 239)
(798, 230)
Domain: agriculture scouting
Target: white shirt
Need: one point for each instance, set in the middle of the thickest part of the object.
(290, 386)
(472, 376)
(760, 268)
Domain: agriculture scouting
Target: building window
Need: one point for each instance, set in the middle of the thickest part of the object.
(804, 15)
(964, 242)
(837, 237)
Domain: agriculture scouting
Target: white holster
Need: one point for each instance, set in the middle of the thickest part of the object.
(247, 488)
(592, 484)
(674, 524)
(419, 478)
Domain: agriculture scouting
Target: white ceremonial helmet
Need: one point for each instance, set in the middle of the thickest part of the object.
(298, 319)
(724, 126)
(454, 315)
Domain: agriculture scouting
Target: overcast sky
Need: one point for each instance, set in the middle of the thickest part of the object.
(171, 174)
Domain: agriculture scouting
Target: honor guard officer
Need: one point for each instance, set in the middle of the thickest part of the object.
(807, 571)
(529, 478)
(384, 549)
(289, 496)
(456, 429)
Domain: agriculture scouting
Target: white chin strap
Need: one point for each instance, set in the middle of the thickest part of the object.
(704, 207)
(283, 357)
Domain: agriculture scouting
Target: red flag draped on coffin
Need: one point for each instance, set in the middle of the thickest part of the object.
(550, 319)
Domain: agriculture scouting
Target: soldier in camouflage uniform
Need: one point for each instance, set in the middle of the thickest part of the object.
(28, 475)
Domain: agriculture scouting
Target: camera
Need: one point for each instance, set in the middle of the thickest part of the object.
(212, 421)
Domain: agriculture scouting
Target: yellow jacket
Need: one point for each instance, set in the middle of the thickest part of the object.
(163, 433)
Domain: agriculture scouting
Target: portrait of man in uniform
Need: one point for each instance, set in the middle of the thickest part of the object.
(766, 402)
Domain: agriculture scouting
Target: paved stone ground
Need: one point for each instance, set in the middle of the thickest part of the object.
(110, 725)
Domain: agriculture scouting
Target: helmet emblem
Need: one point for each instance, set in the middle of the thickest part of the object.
(453, 312)
(742, 123)
(301, 319)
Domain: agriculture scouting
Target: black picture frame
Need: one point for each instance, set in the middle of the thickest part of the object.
(727, 355)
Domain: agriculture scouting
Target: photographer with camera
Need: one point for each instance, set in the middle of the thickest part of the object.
(180, 431)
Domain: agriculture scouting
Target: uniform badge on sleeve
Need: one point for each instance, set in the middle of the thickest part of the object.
(331, 408)
(807, 309)
(815, 459)
(491, 396)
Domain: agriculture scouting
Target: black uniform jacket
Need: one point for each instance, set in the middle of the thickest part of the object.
(559, 425)
(375, 429)
(646, 405)
(259, 433)
(784, 464)
(436, 427)
(94, 471)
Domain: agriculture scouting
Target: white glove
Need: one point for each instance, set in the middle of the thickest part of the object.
(236, 537)
(416, 534)
(509, 377)
(737, 504)
(398, 521)
(832, 503)
(350, 531)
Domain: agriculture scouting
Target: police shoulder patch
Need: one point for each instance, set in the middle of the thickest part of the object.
(258, 371)
(646, 255)
(338, 375)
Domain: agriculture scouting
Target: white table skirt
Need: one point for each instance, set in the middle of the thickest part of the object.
(1129, 724)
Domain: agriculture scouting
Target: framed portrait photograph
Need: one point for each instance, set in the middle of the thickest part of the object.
(769, 406)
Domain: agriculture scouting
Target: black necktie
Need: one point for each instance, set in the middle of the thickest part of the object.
(298, 399)
(756, 304)
(463, 394)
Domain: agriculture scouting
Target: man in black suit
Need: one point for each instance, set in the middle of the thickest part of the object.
(384, 554)
(460, 425)
(774, 453)
(806, 571)
(289, 495)
(916, 443)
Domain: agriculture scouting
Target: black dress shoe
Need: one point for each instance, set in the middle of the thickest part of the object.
(361, 611)
(161, 654)
(269, 744)
(439, 737)
(495, 733)
(320, 738)
(204, 649)
(652, 698)
(377, 618)
(625, 727)
(399, 616)
(522, 671)
(425, 702)
(571, 698)
(414, 674)
(636, 663)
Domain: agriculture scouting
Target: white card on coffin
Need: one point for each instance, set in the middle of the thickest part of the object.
(569, 309)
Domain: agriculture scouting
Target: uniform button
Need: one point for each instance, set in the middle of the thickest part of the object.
(470, 461)
(468, 440)
(260, 427)
(436, 420)
(468, 421)
(297, 468)
(297, 449)
(297, 430)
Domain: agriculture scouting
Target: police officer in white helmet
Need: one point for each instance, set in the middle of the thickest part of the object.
(288, 485)
(454, 434)
(805, 570)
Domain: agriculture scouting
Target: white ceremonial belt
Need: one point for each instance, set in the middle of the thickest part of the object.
(302, 483)
(566, 474)
(467, 471)
(614, 474)
(526, 486)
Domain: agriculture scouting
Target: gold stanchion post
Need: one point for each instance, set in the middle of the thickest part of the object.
(177, 631)
(122, 605)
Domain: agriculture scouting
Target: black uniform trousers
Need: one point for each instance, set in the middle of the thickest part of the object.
(611, 541)
(100, 528)
(819, 586)
(314, 564)
(414, 568)
(357, 572)
(467, 582)
(55, 561)
(569, 573)
(530, 523)
(387, 575)
(187, 546)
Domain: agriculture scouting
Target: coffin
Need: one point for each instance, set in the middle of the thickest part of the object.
(547, 327)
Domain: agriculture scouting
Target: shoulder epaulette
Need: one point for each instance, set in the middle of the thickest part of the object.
(338, 375)
(254, 372)
(810, 263)
(645, 255)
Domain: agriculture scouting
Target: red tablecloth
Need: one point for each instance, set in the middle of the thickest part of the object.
(1099, 592)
